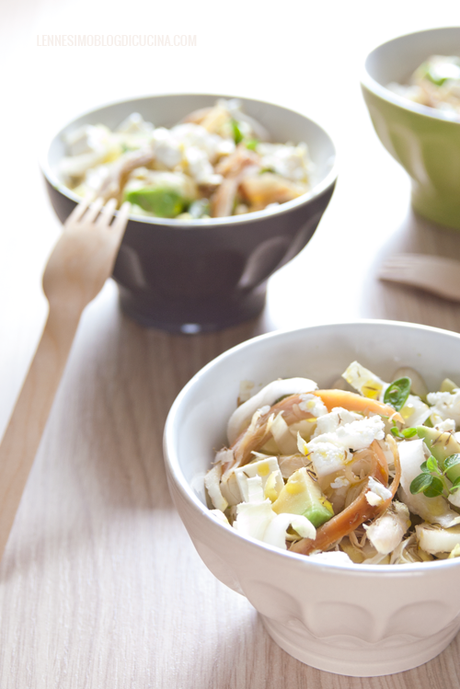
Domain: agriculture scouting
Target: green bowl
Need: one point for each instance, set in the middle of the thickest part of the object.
(425, 141)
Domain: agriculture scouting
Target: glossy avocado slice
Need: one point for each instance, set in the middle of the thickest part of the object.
(441, 444)
(302, 495)
(164, 202)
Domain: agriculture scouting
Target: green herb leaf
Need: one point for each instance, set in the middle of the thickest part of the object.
(432, 482)
(435, 488)
(456, 485)
(252, 144)
(435, 79)
(432, 465)
(237, 133)
(404, 433)
(397, 393)
(451, 461)
(420, 483)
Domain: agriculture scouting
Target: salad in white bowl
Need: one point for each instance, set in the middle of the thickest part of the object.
(318, 601)
(369, 473)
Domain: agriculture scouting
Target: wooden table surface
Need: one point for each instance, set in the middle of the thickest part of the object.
(100, 586)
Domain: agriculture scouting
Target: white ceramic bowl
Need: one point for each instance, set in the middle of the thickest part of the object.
(353, 620)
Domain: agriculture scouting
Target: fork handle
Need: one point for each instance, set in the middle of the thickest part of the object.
(30, 414)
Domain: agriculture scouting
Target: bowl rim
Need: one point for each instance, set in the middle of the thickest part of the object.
(316, 191)
(368, 82)
(174, 471)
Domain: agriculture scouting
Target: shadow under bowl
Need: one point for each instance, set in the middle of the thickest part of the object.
(193, 276)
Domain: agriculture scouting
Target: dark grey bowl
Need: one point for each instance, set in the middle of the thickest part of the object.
(192, 276)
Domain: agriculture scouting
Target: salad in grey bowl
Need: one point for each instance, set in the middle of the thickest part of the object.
(223, 191)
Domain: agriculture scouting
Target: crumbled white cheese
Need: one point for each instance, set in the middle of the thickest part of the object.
(446, 404)
(328, 423)
(377, 493)
(166, 149)
(225, 147)
(327, 457)
(199, 166)
(330, 451)
(88, 146)
(373, 499)
(313, 404)
(356, 435)
(340, 482)
(190, 135)
(442, 426)
(359, 434)
(291, 162)
(191, 145)
(88, 139)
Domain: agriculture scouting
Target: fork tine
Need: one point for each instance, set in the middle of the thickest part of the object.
(93, 210)
(106, 213)
(78, 211)
(119, 224)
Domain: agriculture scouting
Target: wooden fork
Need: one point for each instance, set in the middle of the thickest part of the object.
(434, 274)
(78, 267)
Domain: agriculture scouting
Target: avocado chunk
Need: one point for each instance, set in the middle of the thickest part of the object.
(441, 445)
(302, 495)
(164, 202)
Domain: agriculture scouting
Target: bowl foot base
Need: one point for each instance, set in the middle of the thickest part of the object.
(433, 207)
(354, 657)
(191, 319)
